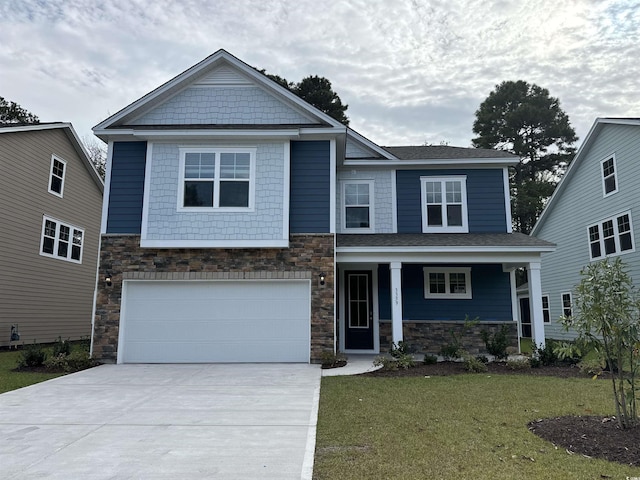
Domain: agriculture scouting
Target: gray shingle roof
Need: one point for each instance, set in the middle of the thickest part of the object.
(441, 240)
(443, 151)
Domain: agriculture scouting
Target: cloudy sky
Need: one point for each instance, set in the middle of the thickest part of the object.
(411, 71)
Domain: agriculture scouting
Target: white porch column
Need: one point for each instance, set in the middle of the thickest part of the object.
(535, 301)
(396, 301)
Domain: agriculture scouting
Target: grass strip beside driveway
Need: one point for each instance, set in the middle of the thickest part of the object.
(461, 426)
(10, 380)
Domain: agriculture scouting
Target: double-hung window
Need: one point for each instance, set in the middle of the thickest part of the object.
(567, 305)
(447, 282)
(444, 204)
(61, 240)
(546, 311)
(358, 206)
(56, 176)
(216, 178)
(609, 178)
(612, 236)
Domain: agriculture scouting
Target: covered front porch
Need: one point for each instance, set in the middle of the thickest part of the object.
(417, 288)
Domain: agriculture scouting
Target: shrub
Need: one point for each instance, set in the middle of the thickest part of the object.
(32, 356)
(545, 356)
(402, 354)
(592, 367)
(430, 359)
(482, 358)
(330, 359)
(61, 347)
(607, 319)
(519, 364)
(497, 343)
(400, 357)
(449, 351)
(454, 349)
(385, 362)
(73, 362)
(473, 365)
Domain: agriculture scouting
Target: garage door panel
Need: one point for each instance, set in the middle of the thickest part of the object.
(218, 321)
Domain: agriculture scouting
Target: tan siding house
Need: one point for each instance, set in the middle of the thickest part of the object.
(51, 201)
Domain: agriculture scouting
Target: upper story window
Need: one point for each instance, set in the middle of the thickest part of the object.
(444, 204)
(56, 175)
(447, 282)
(61, 240)
(609, 178)
(358, 206)
(216, 178)
(612, 236)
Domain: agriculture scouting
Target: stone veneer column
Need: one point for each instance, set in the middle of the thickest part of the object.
(122, 258)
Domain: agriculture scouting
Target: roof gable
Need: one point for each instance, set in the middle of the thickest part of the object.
(582, 153)
(219, 90)
(71, 135)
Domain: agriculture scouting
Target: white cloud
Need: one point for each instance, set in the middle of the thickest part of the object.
(412, 71)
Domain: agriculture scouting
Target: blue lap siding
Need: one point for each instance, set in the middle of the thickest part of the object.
(485, 199)
(310, 200)
(490, 287)
(127, 187)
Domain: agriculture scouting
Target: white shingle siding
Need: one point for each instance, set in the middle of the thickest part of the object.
(354, 151)
(222, 106)
(383, 201)
(582, 204)
(265, 223)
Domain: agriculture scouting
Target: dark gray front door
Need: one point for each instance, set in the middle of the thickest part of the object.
(359, 311)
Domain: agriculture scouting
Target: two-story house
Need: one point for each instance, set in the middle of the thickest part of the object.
(51, 199)
(591, 215)
(241, 224)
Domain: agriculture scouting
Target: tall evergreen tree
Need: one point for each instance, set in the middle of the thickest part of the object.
(11, 112)
(318, 92)
(525, 120)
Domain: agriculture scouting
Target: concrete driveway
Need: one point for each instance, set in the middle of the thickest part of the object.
(226, 421)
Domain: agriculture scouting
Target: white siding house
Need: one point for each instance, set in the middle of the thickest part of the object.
(593, 214)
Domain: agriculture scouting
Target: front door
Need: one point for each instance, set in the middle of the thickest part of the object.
(358, 311)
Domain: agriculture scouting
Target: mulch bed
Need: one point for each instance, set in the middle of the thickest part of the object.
(497, 368)
(591, 436)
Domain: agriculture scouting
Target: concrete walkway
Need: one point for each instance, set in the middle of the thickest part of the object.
(220, 421)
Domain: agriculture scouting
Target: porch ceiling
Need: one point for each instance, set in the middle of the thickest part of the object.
(505, 248)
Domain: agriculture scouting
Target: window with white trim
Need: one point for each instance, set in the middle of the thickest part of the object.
(610, 237)
(56, 175)
(357, 215)
(444, 204)
(216, 178)
(546, 311)
(61, 240)
(447, 282)
(567, 304)
(609, 178)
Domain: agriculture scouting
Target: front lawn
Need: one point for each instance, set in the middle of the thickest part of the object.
(462, 426)
(10, 380)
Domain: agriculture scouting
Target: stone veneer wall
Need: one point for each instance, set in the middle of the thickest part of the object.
(307, 256)
(430, 337)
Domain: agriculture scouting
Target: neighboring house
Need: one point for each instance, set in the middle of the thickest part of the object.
(241, 224)
(51, 198)
(592, 215)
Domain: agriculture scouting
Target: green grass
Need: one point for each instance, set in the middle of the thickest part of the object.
(10, 380)
(526, 345)
(456, 427)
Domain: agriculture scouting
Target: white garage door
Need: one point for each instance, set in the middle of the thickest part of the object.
(215, 321)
